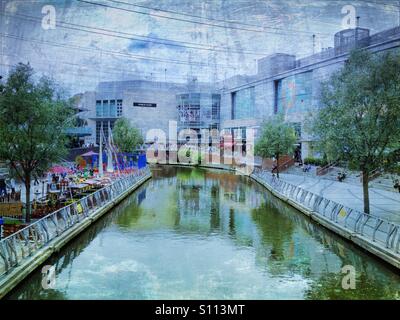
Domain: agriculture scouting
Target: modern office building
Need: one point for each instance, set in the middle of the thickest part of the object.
(283, 85)
(151, 105)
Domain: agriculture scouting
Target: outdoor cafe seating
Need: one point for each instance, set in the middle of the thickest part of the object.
(63, 187)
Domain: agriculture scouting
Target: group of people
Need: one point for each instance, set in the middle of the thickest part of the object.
(5, 186)
(341, 176)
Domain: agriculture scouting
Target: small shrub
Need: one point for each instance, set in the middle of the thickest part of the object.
(315, 161)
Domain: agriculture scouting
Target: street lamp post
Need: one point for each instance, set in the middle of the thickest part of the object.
(43, 182)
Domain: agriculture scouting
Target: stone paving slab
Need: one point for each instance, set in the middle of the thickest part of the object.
(384, 204)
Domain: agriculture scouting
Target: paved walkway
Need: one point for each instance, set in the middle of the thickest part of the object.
(384, 204)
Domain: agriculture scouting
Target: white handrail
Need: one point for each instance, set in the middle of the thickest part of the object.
(23, 243)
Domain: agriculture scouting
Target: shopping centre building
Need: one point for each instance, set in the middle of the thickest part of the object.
(283, 84)
(151, 105)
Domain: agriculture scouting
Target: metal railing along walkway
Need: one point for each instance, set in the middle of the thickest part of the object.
(24, 243)
(373, 228)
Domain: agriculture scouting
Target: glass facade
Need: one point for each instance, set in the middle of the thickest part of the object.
(113, 109)
(108, 108)
(99, 108)
(243, 103)
(198, 110)
(297, 128)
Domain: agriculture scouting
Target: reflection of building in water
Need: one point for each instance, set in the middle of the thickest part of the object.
(189, 199)
(163, 172)
(215, 208)
(208, 203)
(283, 242)
(198, 203)
(238, 194)
(283, 239)
(141, 196)
(307, 244)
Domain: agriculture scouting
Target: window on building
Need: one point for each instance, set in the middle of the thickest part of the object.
(216, 104)
(277, 83)
(106, 109)
(99, 109)
(233, 103)
(243, 104)
(297, 128)
(105, 129)
(113, 109)
(213, 126)
(195, 98)
(238, 133)
(119, 108)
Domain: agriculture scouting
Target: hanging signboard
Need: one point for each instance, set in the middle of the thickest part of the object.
(145, 105)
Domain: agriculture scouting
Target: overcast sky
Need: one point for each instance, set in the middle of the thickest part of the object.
(98, 40)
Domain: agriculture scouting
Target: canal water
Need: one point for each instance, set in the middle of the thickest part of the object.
(192, 233)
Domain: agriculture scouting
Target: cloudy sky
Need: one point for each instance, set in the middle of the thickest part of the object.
(87, 41)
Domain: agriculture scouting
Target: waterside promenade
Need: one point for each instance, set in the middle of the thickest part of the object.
(22, 252)
(384, 204)
(377, 235)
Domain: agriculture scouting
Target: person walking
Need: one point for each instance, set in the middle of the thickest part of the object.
(36, 181)
(397, 185)
(12, 186)
(3, 187)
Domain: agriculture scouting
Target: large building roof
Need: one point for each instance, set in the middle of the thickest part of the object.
(345, 41)
(118, 87)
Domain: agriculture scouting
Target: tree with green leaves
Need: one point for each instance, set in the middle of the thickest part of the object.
(33, 119)
(359, 119)
(126, 136)
(277, 138)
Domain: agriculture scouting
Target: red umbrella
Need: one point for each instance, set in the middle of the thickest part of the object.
(60, 169)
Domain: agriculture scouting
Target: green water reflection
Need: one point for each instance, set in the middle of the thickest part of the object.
(207, 234)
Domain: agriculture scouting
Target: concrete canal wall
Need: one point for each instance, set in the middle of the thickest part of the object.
(378, 237)
(390, 255)
(27, 265)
